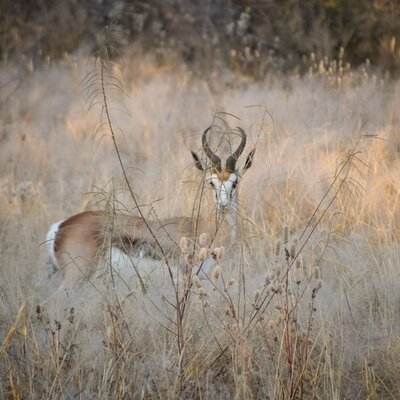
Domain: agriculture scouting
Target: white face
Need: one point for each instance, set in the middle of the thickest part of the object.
(224, 189)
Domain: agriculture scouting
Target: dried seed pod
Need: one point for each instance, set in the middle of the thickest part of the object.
(218, 253)
(196, 281)
(271, 325)
(287, 254)
(202, 294)
(71, 316)
(236, 328)
(278, 288)
(203, 254)
(183, 244)
(203, 239)
(231, 282)
(189, 259)
(38, 311)
(217, 272)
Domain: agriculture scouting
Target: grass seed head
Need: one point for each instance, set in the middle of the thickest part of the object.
(286, 234)
(299, 263)
(293, 251)
(278, 248)
(218, 253)
(317, 287)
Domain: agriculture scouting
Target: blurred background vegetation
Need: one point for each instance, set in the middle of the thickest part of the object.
(252, 37)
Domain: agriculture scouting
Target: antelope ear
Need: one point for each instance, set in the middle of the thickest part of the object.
(248, 163)
(197, 161)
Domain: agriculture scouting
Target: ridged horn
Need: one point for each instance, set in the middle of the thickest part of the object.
(215, 160)
(231, 161)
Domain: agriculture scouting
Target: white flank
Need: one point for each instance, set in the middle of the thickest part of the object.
(50, 237)
(122, 263)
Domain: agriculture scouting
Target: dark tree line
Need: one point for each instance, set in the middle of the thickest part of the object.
(249, 35)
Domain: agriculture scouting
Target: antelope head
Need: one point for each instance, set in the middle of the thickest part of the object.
(224, 181)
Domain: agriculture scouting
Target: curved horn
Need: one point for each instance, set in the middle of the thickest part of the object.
(215, 160)
(231, 161)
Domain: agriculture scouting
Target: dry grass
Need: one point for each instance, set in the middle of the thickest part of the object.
(278, 320)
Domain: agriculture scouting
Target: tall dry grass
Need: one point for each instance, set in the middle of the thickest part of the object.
(306, 306)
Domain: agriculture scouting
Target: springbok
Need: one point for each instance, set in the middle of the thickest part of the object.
(224, 181)
(77, 243)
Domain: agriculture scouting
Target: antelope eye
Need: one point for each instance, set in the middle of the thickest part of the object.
(212, 184)
(234, 184)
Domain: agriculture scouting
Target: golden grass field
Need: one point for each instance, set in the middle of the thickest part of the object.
(306, 305)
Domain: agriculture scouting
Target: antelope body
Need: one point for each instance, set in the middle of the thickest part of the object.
(77, 243)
